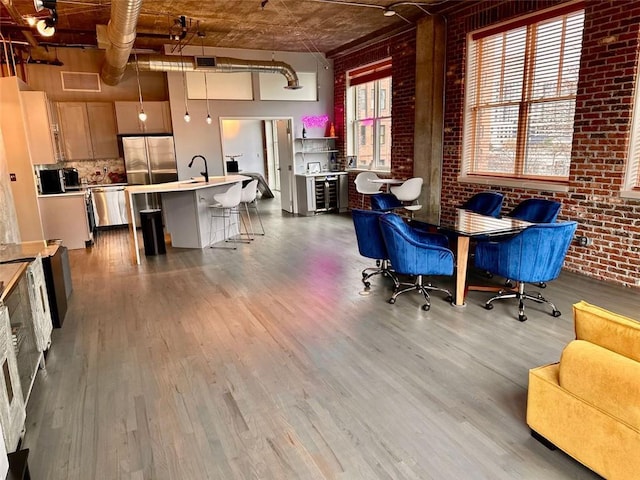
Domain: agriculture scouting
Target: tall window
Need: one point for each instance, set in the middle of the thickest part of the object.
(520, 97)
(369, 116)
(631, 187)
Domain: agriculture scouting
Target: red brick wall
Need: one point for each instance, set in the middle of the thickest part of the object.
(402, 50)
(603, 114)
(602, 123)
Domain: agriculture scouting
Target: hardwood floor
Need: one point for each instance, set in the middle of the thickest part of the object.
(268, 363)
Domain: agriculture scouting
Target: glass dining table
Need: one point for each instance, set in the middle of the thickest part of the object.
(465, 226)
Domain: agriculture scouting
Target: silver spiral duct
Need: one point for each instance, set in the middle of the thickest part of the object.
(121, 33)
(169, 63)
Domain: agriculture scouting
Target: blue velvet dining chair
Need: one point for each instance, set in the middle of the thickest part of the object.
(485, 203)
(534, 255)
(417, 254)
(536, 210)
(371, 245)
(385, 202)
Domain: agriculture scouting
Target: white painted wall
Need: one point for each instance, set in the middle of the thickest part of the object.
(240, 136)
(198, 138)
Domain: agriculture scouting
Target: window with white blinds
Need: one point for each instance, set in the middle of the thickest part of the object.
(632, 175)
(520, 95)
(369, 116)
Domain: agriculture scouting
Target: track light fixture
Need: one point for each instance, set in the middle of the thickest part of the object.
(40, 5)
(47, 26)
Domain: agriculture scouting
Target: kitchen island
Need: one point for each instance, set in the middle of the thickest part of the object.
(185, 205)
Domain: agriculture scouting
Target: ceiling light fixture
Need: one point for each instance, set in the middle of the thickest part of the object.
(47, 26)
(40, 5)
(388, 12)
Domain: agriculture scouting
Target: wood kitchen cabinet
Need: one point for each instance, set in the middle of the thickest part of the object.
(88, 130)
(41, 130)
(158, 118)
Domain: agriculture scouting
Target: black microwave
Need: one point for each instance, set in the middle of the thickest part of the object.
(51, 181)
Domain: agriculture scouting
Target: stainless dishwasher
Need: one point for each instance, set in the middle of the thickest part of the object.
(110, 206)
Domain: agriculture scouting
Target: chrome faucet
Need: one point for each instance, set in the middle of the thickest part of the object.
(205, 174)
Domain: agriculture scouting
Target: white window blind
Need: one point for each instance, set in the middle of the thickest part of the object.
(520, 98)
(632, 174)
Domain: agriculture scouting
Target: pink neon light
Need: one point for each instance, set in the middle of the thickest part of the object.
(310, 121)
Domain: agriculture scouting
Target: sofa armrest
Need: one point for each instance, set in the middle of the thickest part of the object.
(604, 379)
(609, 330)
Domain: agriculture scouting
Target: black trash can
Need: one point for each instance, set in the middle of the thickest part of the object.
(152, 233)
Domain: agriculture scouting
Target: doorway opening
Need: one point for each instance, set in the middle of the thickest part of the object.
(262, 146)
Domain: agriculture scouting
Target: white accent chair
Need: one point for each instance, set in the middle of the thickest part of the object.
(225, 207)
(408, 193)
(249, 198)
(365, 186)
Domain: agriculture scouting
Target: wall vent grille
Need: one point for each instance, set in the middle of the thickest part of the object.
(80, 82)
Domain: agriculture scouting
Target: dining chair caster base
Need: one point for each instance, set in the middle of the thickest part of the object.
(521, 296)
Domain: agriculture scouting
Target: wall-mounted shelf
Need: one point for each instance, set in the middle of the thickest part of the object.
(314, 146)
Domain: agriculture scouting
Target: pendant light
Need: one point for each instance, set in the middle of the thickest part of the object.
(206, 88)
(187, 117)
(141, 115)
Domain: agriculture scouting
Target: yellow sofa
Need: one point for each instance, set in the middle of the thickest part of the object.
(588, 404)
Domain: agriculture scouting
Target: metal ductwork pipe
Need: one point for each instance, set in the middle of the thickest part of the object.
(121, 33)
(170, 63)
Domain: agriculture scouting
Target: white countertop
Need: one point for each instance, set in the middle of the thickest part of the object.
(322, 174)
(73, 193)
(187, 185)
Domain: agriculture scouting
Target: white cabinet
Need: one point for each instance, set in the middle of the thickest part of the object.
(315, 154)
(64, 216)
(88, 130)
(12, 410)
(326, 192)
(42, 324)
(158, 118)
(41, 133)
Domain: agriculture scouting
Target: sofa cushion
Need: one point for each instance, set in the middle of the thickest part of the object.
(614, 332)
(606, 380)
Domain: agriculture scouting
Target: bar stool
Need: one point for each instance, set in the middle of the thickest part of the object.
(364, 185)
(225, 206)
(409, 191)
(249, 197)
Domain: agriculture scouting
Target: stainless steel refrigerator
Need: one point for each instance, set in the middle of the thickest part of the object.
(148, 160)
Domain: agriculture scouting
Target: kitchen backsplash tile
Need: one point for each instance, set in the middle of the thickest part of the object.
(92, 172)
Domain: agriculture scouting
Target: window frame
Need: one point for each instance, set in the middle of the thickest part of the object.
(528, 99)
(631, 182)
(368, 77)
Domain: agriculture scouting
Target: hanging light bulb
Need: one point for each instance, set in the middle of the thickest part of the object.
(187, 117)
(209, 120)
(46, 27)
(141, 115)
